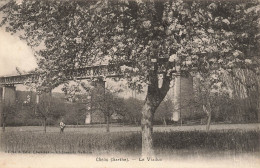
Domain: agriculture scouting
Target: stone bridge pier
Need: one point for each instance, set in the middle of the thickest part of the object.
(183, 96)
(8, 97)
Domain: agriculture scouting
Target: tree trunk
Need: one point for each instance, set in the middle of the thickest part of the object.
(3, 126)
(154, 97)
(258, 97)
(3, 121)
(164, 121)
(108, 121)
(208, 112)
(135, 121)
(147, 130)
(44, 124)
(208, 121)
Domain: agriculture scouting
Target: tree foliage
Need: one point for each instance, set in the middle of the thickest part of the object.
(206, 35)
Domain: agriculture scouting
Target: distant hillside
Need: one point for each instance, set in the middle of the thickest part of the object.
(23, 95)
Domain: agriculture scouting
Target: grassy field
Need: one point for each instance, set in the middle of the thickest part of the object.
(183, 141)
(118, 128)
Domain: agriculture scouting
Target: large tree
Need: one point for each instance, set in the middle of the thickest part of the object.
(153, 37)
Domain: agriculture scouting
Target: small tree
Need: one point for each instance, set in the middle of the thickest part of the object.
(107, 102)
(44, 109)
(96, 96)
(209, 87)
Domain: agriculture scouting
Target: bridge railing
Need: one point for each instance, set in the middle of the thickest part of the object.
(80, 73)
(89, 72)
(18, 79)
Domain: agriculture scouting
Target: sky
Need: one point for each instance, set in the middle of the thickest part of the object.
(14, 53)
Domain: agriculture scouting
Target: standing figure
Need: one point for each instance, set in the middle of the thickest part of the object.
(62, 126)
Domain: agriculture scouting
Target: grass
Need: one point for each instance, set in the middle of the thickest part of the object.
(130, 142)
(97, 129)
(217, 141)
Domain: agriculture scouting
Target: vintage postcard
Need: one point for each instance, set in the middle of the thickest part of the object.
(129, 83)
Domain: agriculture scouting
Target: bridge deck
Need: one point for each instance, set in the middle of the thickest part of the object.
(89, 72)
(80, 73)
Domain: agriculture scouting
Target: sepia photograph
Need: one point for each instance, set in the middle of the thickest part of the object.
(129, 83)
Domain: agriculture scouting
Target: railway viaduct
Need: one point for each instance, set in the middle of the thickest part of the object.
(183, 86)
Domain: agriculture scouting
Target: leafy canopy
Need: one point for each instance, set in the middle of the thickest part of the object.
(197, 36)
